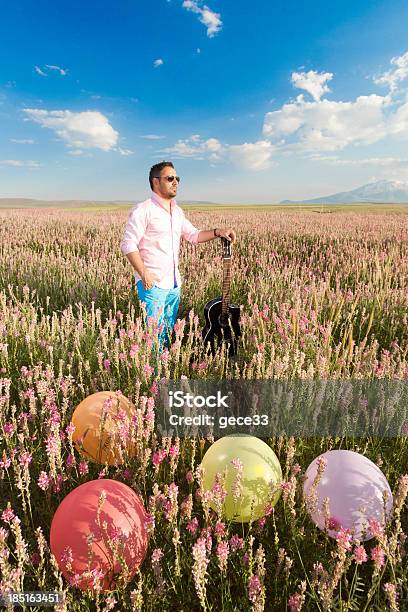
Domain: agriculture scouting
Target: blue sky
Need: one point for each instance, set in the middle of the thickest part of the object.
(253, 102)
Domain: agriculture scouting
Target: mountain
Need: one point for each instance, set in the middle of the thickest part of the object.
(380, 191)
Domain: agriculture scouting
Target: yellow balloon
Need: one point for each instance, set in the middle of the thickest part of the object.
(96, 435)
(260, 481)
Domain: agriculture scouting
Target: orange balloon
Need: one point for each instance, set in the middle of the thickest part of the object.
(91, 540)
(97, 421)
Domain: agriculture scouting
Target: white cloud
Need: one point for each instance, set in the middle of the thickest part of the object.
(83, 130)
(39, 71)
(395, 75)
(44, 70)
(324, 125)
(207, 17)
(18, 163)
(125, 152)
(331, 126)
(62, 71)
(315, 128)
(158, 62)
(152, 137)
(195, 147)
(386, 162)
(313, 82)
(251, 156)
(22, 140)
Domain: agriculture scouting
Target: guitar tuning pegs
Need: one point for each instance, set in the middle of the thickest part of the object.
(226, 248)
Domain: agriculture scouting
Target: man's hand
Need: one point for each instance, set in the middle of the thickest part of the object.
(148, 279)
(229, 234)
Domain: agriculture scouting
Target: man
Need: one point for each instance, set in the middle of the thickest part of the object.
(151, 243)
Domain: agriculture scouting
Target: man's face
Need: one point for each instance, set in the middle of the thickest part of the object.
(165, 188)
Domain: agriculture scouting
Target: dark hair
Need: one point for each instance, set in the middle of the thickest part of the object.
(156, 169)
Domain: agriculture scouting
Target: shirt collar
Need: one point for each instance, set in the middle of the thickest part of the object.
(156, 198)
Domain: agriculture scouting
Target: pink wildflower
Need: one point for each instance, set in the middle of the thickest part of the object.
(127, 474)
(296, 469)
(5, 462)
(376, 528)
(222, 554)
(254, 588)
(295, 602)
(344, 538)
(192, 525)
(43, 481)
(392, 595)
(360, 555)
(83, 468)
(377, 555)
(261, 522)
(286, 487)
(321, 464)
(154, 389)
(3, 534)
(148, 370)
(158, 457)
(333, 524)
(219, 529)
(7, 515)
(236, 543)
(134, 349)
(25, 459)
(69, 430)
(173, 451)
(70, 460)
(8, 428)
(157, 554)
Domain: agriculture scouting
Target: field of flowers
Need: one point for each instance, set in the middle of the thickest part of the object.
(322, 296)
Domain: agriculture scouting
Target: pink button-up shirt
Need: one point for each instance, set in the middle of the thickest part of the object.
(155, 233)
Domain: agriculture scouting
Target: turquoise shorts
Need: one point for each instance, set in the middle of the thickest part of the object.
(167, 300)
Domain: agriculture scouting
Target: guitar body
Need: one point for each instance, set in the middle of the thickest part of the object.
(223, 330)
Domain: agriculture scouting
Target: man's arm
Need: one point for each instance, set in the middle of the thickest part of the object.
(134, 230)
(206, 235)
(193, 235)
(148, 279)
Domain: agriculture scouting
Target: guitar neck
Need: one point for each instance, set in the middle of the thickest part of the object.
(226, 284)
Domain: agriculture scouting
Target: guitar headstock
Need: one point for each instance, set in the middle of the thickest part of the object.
(226, 248)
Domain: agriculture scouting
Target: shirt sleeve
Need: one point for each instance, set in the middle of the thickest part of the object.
(134, 230)
(188, 231)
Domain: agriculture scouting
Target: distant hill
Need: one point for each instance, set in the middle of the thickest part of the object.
(32, 203)
(382, 192)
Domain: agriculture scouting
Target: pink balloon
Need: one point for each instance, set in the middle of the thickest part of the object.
(354, 486)
(77, 517)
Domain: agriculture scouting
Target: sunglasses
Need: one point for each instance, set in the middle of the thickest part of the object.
(169, 179)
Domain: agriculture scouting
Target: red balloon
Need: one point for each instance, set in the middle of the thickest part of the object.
(118, 528)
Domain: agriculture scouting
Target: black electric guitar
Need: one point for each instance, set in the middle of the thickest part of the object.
(221, 317)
